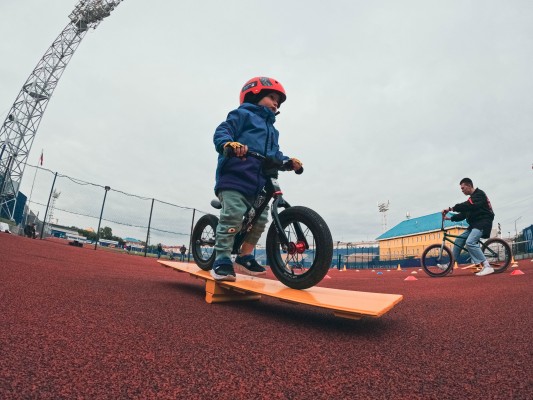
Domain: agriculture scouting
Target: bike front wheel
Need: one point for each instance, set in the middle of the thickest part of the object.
(498, 254)
(305, 262)
(203, 241)
(437, 260)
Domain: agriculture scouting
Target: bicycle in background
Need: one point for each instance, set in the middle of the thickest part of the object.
(437, 259)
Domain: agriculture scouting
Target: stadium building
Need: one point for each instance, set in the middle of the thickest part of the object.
(409, 238)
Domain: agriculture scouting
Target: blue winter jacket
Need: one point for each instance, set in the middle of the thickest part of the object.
(253, 126)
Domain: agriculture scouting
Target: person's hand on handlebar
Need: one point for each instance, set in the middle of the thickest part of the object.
(293, 164)
(235, 149)
(296, 164)
(446, 211)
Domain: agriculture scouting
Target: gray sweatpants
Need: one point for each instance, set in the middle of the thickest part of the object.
(234, 206)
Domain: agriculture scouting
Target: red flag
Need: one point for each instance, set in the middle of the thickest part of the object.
(41, 159)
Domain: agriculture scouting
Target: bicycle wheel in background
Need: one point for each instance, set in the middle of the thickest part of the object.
(300, 266)
(437, 260)
(203, 241)
(498, 254)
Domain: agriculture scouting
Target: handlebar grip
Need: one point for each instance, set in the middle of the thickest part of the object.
(287, 166)
(228, 152)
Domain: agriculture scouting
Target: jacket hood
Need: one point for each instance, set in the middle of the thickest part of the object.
(262, 111)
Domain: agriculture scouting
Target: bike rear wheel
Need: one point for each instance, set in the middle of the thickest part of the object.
(203, 241)
(437, 260)
(498, 254)
(300, 266)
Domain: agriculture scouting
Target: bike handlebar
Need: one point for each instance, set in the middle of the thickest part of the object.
(270, 163)
(443, 219)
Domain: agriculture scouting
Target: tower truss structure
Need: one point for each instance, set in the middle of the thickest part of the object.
(383, 208)
(20, 126)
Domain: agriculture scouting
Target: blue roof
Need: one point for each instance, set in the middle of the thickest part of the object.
(413, 226)
(132, 240)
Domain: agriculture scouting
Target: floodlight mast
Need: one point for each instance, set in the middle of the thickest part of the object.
(20, 126)
(383, 208)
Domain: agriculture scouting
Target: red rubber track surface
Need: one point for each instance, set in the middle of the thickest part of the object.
(79, 323)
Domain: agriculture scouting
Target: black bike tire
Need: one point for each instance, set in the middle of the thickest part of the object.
(205, 263)
(426, 267)
(323, 248)
(508, 253)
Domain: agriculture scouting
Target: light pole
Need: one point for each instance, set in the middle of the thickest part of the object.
(347, 259)
(383, 208)
(515, 230)
(338, 256)
(107, 189)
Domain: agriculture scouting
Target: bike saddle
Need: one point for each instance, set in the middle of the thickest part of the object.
(215, 203)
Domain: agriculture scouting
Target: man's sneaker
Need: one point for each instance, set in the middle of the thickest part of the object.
(442, 267)
(223, 270)
(247, 265)
(486, 270)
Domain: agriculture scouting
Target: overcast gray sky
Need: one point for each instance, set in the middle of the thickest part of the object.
(387, 100)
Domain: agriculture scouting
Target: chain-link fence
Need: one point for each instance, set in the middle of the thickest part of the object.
(369, 258)
(522, 249)
(63, 206)
(70, 208)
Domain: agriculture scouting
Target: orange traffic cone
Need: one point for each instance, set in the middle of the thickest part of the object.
(399, 268)
(517, 272)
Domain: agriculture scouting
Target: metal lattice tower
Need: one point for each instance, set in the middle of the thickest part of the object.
(20, 126)
(55, 196)
(383, 208)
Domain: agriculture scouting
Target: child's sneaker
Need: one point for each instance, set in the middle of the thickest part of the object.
(247, 265)
(223, 270)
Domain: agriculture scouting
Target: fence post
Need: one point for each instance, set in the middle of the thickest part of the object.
(190, 237)
(29, 198)
(148, 230)
(48, 205)
(106, 188)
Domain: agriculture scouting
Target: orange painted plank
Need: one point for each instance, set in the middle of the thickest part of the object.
(344, 303)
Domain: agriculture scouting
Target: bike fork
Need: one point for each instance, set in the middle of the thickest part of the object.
(441, 250)
(284, 241)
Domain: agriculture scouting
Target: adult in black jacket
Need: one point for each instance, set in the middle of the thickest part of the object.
(477, 211)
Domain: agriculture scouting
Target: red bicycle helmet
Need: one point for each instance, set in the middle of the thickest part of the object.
(258, 84)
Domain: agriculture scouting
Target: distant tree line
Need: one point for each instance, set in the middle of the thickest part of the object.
(105, 233)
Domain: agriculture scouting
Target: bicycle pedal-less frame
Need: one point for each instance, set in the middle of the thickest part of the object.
(297, 237)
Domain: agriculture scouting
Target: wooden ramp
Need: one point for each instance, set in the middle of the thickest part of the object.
(343, 303)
